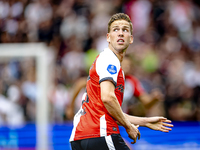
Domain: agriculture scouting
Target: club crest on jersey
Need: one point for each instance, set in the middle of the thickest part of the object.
(112, 69)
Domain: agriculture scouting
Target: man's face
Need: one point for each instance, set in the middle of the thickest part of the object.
(120, 36)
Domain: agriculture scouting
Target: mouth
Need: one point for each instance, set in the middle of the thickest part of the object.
(120, 41)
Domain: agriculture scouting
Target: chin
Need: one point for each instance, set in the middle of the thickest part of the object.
(121, 49)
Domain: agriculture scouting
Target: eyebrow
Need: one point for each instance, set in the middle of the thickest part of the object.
(125, 26)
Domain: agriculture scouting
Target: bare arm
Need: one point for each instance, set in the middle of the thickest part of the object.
(112, 105)
(154, 123)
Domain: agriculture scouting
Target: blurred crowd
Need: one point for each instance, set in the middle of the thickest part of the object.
(165, 53)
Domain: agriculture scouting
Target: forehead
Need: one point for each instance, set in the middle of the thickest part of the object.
(120, 23)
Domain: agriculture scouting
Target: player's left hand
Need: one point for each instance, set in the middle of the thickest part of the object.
(159, 123)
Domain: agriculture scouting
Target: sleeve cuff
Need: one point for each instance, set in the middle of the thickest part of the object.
(108, 79)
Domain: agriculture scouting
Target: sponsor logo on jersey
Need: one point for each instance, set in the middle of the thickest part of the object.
(112, 69)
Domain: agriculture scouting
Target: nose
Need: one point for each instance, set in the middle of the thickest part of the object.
(121, 33)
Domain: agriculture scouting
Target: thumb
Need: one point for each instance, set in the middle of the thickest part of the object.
(137, 126)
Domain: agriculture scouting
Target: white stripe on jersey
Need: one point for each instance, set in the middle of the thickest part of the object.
(103, 130)
(110, 142)
(77, 118)
(75, 123)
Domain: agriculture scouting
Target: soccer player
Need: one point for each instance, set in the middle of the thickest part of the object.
(96, 123)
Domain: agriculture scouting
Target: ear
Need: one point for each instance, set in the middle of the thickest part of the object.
(131, 39)
(108, 37)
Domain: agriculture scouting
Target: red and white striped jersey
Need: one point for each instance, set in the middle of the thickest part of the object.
(93, 120)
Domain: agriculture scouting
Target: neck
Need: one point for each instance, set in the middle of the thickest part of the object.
(120, 55)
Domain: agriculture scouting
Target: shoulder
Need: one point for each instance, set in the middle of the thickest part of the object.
(107, 64)
(108, 57)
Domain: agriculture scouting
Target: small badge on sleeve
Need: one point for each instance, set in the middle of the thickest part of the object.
(112, 69)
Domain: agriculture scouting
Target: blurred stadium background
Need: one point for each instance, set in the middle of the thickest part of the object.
(48, 45)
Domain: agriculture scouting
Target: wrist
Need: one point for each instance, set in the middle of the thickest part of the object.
(128, 126)
(145, 121)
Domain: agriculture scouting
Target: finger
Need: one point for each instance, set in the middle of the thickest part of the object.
(165, 129)
(134, 141)
(137, 126)
(168, 121)
(162, 118)
(168, 125)
(138, 135)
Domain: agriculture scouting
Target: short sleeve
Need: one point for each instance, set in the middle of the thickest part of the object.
(107, 68)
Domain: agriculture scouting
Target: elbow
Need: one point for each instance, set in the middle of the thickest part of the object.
(107, 99)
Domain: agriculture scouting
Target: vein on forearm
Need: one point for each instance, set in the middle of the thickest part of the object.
(111, 103)
(142, 121)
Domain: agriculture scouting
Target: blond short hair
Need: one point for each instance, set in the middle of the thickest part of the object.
(120, 16)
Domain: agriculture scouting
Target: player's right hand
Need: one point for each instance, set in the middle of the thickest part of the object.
(133, 133)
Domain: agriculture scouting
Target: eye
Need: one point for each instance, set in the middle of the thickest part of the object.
(115, 30)
(125, 30)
